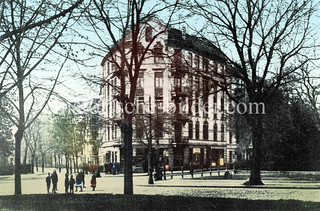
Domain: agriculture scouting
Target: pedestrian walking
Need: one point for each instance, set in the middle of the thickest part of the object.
(81, 176)
(66, 183)
(78, 183)
(48, 181)
(54, 178)
(93, 181)
(71, 183)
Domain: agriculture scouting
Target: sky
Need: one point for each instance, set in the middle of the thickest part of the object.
(73, 88)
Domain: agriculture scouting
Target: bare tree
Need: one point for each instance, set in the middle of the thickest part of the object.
(36, 18)
(269, 41)
(122, 22)
(32, 136)
(309, 91)
(31, 33)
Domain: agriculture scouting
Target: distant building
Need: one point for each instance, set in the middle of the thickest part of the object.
(89, 113)
(181, 71)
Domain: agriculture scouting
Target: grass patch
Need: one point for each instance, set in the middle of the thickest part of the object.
(144, 202)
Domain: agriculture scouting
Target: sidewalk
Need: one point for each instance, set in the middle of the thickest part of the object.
(275, 188)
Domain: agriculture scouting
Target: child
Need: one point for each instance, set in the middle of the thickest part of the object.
(71, 183)
(78, 183)
(48, 181)
(93, 182)
(66, 183)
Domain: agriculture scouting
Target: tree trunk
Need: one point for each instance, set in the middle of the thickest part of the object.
(42, 162)
(76, 167)
(257, 132)
(55, 161)
(67, 164)
(32, 163)
(25, 153)
(17, 169)
(127, 131)
(37, 167)
(74, 164)
(70, 164)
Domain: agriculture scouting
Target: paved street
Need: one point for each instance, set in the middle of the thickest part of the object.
(275, 188)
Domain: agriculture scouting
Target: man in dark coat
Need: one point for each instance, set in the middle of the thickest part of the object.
(54, 178)
(71, 183)
(48, 181)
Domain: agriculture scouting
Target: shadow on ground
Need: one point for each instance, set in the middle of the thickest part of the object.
(144, 202)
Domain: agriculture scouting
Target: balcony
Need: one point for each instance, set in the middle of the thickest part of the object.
(178, 70)
(140, 92)
(181, 118)
(158, 92)
(181, 91)
(185, 139)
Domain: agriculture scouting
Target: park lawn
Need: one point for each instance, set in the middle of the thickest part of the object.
(144, 202)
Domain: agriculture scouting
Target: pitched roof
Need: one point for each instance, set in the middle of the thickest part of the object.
(197, 45)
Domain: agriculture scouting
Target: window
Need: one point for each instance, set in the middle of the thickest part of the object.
(222, 103)
(158, 85)
(197, 129)
(108, 133)
(112, 134)
(190, 129)
(205, 65)
(108, 90)
(197, 62)
(148, 33)
(215, 132)
(205, 107)
(178, 59)
(205, 97)
(222, 132)
(177, 83)
(140, 81)
(190, 61)
(205, 130)
(190, 105)
(230, 137)
(197, 105)
(158, 79)
(140, 84)
(140, 105)
(159, 104)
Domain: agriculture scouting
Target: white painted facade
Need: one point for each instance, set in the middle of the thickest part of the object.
(157, 73)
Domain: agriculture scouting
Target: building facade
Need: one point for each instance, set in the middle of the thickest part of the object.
(184, 78)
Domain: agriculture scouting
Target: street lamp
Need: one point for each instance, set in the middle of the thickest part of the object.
(166, 164)
(150, 180)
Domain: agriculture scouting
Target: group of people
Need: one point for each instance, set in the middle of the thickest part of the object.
(69, 184)
(54, 178)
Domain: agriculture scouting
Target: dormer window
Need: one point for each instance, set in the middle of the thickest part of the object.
(148, 33)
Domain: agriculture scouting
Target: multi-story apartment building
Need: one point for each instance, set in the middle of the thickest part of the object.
(184, 77)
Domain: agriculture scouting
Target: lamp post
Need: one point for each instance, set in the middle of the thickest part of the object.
(150, 180)
(166, 166)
